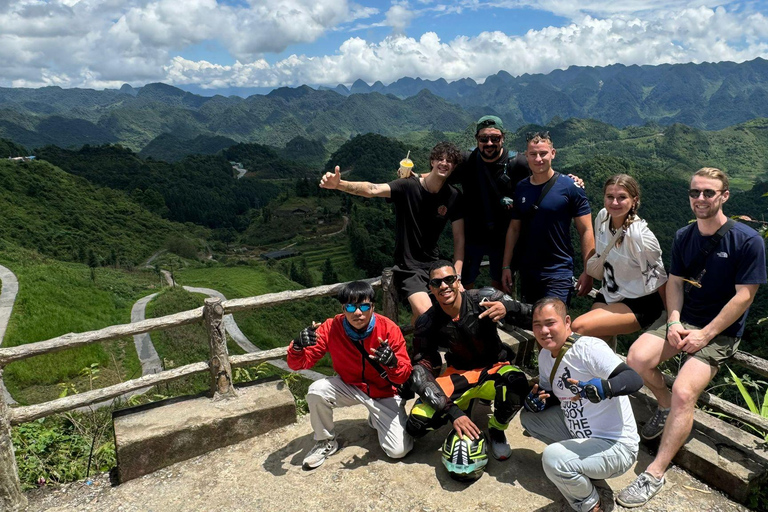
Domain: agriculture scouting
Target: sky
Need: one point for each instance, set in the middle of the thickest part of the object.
(222, 45)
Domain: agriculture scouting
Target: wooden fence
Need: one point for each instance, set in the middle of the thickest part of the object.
(219, 366)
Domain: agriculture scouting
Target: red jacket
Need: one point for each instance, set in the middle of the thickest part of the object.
(353, 368)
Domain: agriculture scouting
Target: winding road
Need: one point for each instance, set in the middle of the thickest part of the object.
(145, 349)
(7, 300)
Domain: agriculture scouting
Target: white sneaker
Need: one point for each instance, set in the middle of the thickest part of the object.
(321, 451)
(639, 492)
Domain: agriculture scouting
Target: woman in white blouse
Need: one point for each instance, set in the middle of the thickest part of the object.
(632, 295)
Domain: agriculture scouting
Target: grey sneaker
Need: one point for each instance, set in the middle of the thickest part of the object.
(639, 492)
(321, 451)
(499, 446)
(655, 425)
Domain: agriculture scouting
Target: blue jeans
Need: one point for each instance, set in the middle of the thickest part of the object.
(572, 464)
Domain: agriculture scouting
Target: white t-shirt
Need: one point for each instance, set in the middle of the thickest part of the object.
(633, 269)
(588, 358)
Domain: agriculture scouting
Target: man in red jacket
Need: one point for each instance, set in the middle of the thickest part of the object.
(369, 356)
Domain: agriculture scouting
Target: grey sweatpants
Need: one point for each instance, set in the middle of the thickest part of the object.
(386, 415)
(571, 463)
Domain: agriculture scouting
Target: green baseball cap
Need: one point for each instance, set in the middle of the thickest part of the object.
(489, 122)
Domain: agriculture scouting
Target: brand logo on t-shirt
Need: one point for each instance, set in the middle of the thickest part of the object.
(722, 255)
(442, 210)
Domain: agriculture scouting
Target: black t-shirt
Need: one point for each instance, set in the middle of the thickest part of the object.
(420, 218)
(484, 187)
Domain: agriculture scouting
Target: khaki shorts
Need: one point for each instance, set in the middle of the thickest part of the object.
(717, 351)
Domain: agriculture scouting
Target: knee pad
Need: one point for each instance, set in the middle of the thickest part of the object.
(417, 426)
(424, 384)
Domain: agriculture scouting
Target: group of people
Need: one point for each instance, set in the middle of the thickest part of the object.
(517, 210)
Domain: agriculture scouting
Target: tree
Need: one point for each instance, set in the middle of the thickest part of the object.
(329, 273)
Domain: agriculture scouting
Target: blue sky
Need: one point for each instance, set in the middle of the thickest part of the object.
(228, 45)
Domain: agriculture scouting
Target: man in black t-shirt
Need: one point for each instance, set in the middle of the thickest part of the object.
(423, 205)
(488, 176)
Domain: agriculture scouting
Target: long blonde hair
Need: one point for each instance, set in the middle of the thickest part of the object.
(632, 187)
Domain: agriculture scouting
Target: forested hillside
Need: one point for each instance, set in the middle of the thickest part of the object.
(70, 219)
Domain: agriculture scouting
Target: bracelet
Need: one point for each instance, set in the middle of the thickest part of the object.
(670, 324)
(506, 268)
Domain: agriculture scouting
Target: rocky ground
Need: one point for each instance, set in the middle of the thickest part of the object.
(265, 473)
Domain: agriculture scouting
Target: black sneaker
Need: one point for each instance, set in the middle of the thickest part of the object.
(655, 425)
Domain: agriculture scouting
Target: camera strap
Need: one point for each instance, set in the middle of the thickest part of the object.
(697, 265)
(547, 187)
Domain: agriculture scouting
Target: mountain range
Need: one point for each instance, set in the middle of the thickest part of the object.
(707, 96)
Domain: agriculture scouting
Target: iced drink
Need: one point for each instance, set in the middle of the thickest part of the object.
(406, 167)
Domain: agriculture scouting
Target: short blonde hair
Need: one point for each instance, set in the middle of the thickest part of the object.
(714, 174)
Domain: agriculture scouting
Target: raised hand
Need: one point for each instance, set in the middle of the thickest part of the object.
(536, 401)
(306, 338)
(331, 179)
(495, 310)
(384, 355)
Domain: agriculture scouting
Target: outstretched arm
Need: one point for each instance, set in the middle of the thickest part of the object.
(333, 181)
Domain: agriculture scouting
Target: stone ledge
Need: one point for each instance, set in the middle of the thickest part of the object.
(718, 453)
(150, 438)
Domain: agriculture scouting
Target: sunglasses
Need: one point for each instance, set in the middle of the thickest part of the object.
(435, 282)
(485, 139)
(532, 135)
(363, 307)
(708, 193)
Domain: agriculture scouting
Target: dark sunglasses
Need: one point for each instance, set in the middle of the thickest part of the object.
(364, 307)
(435, 282)
(532, 135)
(708, 193)
(485, 139)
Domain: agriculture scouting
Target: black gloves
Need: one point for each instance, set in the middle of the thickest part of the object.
(306, 338)
(384, 355)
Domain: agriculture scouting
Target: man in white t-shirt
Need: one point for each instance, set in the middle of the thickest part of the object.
(592, 435)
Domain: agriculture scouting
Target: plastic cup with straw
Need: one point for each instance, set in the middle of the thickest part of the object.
(406, 167)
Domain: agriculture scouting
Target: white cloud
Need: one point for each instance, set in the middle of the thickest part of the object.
(689, 35)
(96, 42)
(103, 43)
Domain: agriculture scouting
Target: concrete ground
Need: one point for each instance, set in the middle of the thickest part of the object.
(264, 473)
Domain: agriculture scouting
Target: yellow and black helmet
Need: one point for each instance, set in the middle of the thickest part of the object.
(465, 458)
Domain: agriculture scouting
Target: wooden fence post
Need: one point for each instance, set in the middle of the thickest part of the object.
(389, 292)
(221, 371)
(11, 497)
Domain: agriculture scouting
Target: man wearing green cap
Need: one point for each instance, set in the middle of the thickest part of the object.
(488, 176)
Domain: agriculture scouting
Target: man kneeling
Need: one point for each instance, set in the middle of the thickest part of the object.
(463, 323)
(592, 435)
(369, 356)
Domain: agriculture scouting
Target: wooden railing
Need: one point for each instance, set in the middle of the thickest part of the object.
(219, 366)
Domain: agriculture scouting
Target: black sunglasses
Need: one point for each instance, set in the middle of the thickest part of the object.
(532, 135)
(485, 139)
(435, 282)
(708, 193)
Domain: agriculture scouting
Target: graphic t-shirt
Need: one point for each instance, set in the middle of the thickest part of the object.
(609, 419)
(633, 269)
(544, 246)
(738, 259)
(420, 218)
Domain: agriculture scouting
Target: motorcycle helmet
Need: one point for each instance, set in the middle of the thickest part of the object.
(465, 458)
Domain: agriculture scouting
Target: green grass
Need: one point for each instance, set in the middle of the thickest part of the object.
(57, 298)
(238, 281)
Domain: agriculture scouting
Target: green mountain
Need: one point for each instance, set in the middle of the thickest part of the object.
(170, 148)
(66, 217)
